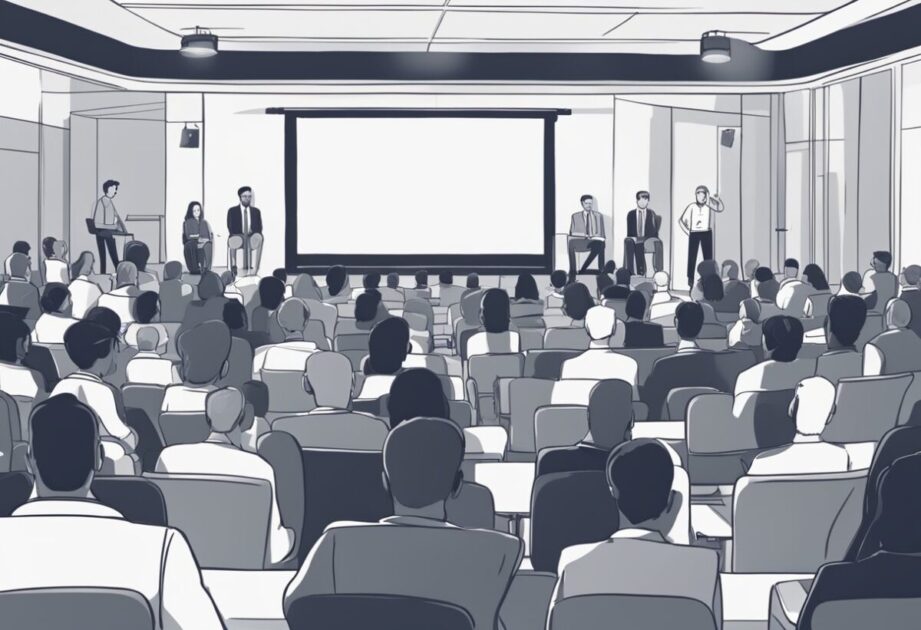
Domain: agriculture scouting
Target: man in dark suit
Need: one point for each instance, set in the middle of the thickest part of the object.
(638, 332)
(586, 234)
(244, 231)
(642, 236)
(911, 295)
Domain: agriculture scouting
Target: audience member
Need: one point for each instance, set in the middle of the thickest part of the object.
(138, 253)
(388, 347)
(558, 280)
(852, 284)
(22, 247)
(84, 293)
(242, 343)
(600, 361)
(291, 353)
(746, 332)
(711, 290)
(392, 292)
(415, 393)
(234, 315)
(271, 295)
(496, 338)
(146, 313)
(640, 333)
(19, 290)
(148, 367)
(843, 323)
(305, 287)
(705, 268)
(368, 311)
(604, 279)
(55, 267)
(421, 290)
(819, 293)
(337, 290)
(175, 295)
(621, 288)
(448, 292)
(527, 308)
(256, 394)
(880, 280)
(783, 338)
(898, 349)
(793, 295)
(751, 265)
(203, 352)
(56, 314)
(121, 298)
(790, 271)
(15, 378)
(764, 289)
(910, 279)
(734, 290)
(663, 304)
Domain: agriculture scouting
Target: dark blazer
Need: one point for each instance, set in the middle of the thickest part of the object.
(913, 299)
(651, 230)
(694, 368)
(571, 459)
(619, 292)
(235, 220)
(639, 334)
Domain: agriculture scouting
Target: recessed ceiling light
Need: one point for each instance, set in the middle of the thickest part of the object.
(199, 44)
(715, 47)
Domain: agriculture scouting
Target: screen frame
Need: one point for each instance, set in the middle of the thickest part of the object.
(296, 262)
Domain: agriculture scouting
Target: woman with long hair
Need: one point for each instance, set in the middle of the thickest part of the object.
(197, 239)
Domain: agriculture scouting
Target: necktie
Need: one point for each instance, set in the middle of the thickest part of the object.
(588, 223)
(641, 224)
(246, 220)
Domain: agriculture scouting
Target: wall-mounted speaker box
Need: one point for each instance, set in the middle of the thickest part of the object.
(727, 138)
(189, 138)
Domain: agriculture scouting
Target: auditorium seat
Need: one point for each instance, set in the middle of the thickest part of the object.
(633, 612)
(13, 448)
(138, 499)
(566, 339)
(645, 358)
(528, 395)
(858, 614)
(559, 425)
(183, 427)
(40, 359)
(528, 599)
(866, 407)
(484, 370)
(286, 393)
(335, 612)
(76, 607)
(148, 398)
(282, 451)
(546, 364)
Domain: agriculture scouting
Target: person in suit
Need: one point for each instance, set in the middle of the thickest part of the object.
(399, 555)
(642, 236)
(244, 231)
(610, 422)
(896, 350)
(640, 333)
(600, 360)
(586, 234)
(108, 222)
(909, 279)
(843, 323)
(638, 558)
(197, 239)
(19, 290)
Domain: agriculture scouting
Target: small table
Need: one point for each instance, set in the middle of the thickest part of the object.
(510, 484)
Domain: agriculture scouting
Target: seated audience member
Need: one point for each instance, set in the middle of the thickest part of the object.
(843, 323)
(370, 282)
(55, 264)
(305, 287)
(19, 290)
(240, 359)
(473, 283)
(146, 313)
(175, 295)
(576, 302)
(663, 303)
(496, 338)
(637, 332)
(558, 280)
(764, 290)
(852, 284)
(220, 454)
(110, 319)
(448, 292)
(749, 269)
(56, 314)
(604, 279)
(93, 348)
(648, 291)
(121, 298)
(705, 268)
(421, 289)
(15, 378)
(621, 287)
(711, 288)
(793, 295)
(600, 361)
(891, 568)
(328, 376)
(610, 422)
(271, 296)
(256, 394)
(527, 307)
(148, 367)
(790, 272)
(909, 279)
(234, 315)
(392, 292)
(66, 538)
(880, 280)
(337, 288)
(734, 290)
(416, 392)
(783, 339)
(898, 349)
(746, 332)
(368, 311)
(291, 353)
(281, 274)
(138, 253)
(819, 293)
(640, 474)
(400, 554)
(812, 408)
(84, 293)
(388, 346)
(203, 352)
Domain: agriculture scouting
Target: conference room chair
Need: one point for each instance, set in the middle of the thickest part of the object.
(224, 518)
(39, 358)
(794, 523)
(483, 372)
(138, 499)
(354, 346)
(334, 612)
(283, 453)
(423, 307)
(630, 612)
(76, 607)
(148, 398)
(472, 508)
(866, 407)
(433, 362)
(531, 337)
(910, 402)
(645, 358)
(566, 339)
(15, 488)
(63, 365)
(287, 395)
(559, 425)
(14, 446)
(546, 363)
(183, 427)
(328, 314)
(678, 399)
(858, 614)
(873, 326)
(462, 333)
(527, 395)
(483, 444)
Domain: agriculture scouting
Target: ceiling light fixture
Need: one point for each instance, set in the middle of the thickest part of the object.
(202, 43)
(715, 47)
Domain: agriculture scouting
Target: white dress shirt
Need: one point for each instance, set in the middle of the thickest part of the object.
(50, 543)
(17, 380)
(149, 368)
(375, 386)
(214, 457)
(184, 398)
(131, 334)
(288, 356)
(98, 396)
(84, 295)
(56, 271)
(696, 217)
(50, 328)
(773, 375)
(806, 456)
(602, 363)
(793, 296)
(493, 343)
(121, 301)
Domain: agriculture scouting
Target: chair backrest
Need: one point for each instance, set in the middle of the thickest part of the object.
(566, 339)
(434, 362)
(559, 425)
(15, 488)
(225, 518)
(645, 358)
(472, 508)
(283, 453)
(768, 413)
(630, 612)
(547, 364)
(416, 321)
(568, 509)
(183, 427)
(526, 395)
(286, 391)
(334, 612)
(352, 341)
(821, 514)
(39, 358)
(866, 407)
(11, 429)
(730, 363)
(531, 337)
(76, 607)
(485, 370)
(148, 398)
(857, 614)
(63, 365)
(138, 499)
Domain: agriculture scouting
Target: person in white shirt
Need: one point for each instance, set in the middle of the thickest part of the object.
(55, 264)
(843, 323)
(15, 378)
(812, 407)
(746, 332)
(638, 559)
(793, 294)
(121, 298)
(600, 361)
(880, 280)
(292, 353)
(64, 537)
(84, 293)
(764, 291)
(146, 313)
(329, 377)
(19, 290)
(697, 222)
(554, 293)
(783, 338)
(663, 304)
(56, 317)
(148, 367)
(203, 352)
(221, 454)
(898, 349)
(495, 338)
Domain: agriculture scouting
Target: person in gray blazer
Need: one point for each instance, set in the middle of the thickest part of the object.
(586, 234)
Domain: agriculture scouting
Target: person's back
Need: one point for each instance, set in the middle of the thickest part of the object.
(783, 338)
(640, 334)
(175, 295)
(147, 367)
(899, 349)
(448, 292)
(204, 351)
(600, 361)
(19, 290)
(911, 295)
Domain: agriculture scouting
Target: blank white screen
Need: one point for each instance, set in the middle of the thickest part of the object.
(420, 186)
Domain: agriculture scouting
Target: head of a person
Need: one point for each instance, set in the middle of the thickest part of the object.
(104, 317)
(642, 199)
(281, 274)
(701, 194)
(661, 280)
(751, 265)
(815, 277)
(577, 299)
(897, 522)
(600, 323)
(422, 460)
(48, 246)
(393, 280)
(138, 253)
(610, 413)
(388, 345)
(234, 315)
(791, 267)
(55, 298)
(689, 320)
(526, 288)
(898, 314)
(882, 260)
(422, 278)
(65, 451)
(126, 274)
(335, 279)
(446, 278)
(495, 310)
(305, 287)
(172, 270)
(292, 316)
(640, 474)
(844, 320)
(371, 280)
(328, 376)
(813, 405)
(211, 286)
(204, 350)
(59, 248)
(415, 393)
(146, 307)
(708, 268)
(14, 338)
(609, 267)
(750, 309)
(194, 211)
(228, 277)
(224, 409)
(783, 337)
(148, 338)
(245, 195)
(911, 276)
(558, 279)
(473, 281)
(83, 266)
(622, 277)
(366, 306)
(762, 283)
(730, 269)
(271, 293)
(110, 188)
(257, 395)
(19, 266)
(852, 282)
(636, 305)
(712, 287)
(588, 202)
(92, 347)
(22, 247)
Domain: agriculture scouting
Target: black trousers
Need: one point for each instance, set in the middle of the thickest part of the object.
(580, 244)
(703, 240)
(104, 241)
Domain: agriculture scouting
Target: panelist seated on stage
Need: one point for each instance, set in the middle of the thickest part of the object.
(586, 234)
(642, 236)
(244, 230)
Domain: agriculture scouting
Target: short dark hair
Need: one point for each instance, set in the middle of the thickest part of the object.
(640, 474)
(86, 342)
(21, 247)
(138, 253)
(689, 320)
(210, 286)
(280, 273)
(393, 280)
(12, 331)
(65, 442)
(526, 287)
(371, 280)
(636, 305)
(146, 306)
(234, 315)
(852, 281)
(243, 189)
(712, 287)
(622, 277)
(584, 197)
(256, 393)
(791, 263)
(783, 337)
(446, 277)
(422, 278)
(558, 279)
(422, 459)
(335, 279)
(271, 292)
(642, 194)
(366, 306)
(104, 317)
(610, 267)
(577, 299)
(496, 310)
(48, 246)
(53, 296)
(106, 185)
(473, 281)
(204, 350)
(816, 277)
(846, 317)
(884, 257)
(387, 346)
(763, 274)
(416, 393)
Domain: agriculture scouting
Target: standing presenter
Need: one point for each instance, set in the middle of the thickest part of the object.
(697, 221)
